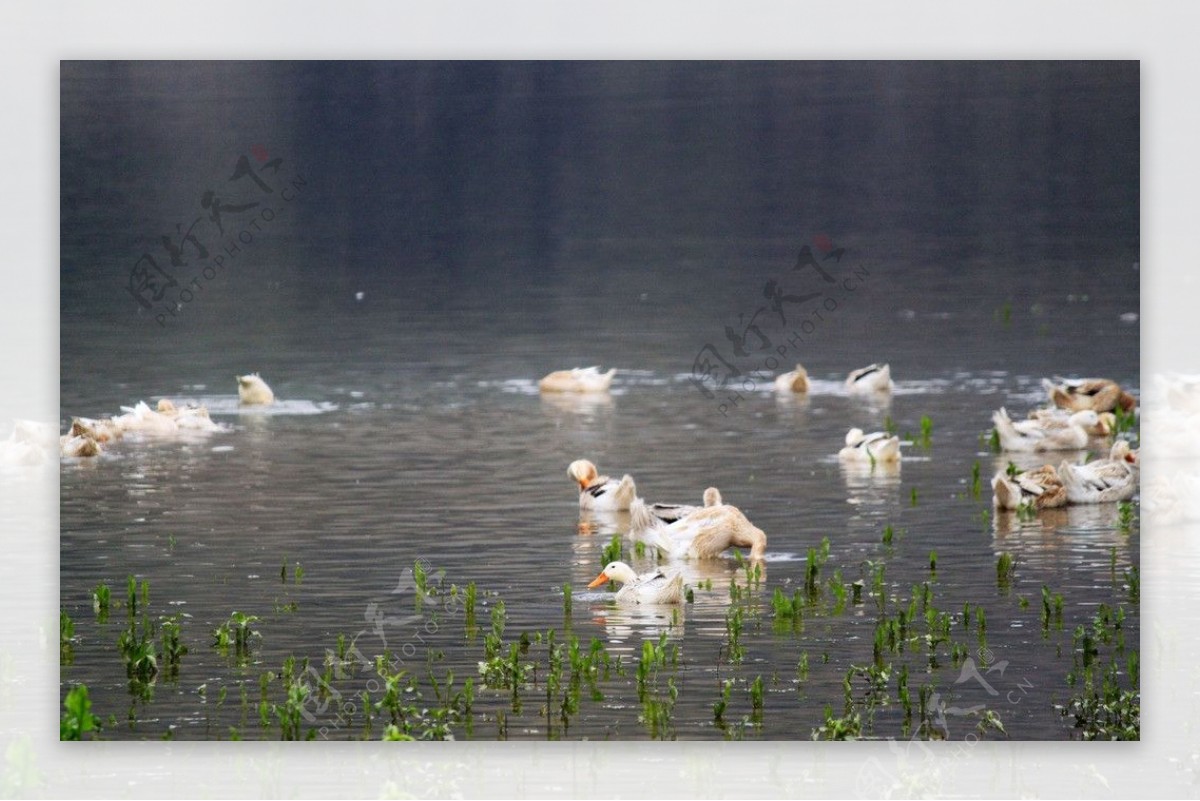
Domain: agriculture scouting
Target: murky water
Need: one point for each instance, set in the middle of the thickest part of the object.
(503, 221)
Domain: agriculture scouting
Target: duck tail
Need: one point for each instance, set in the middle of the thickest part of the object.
(1004, 427)
(626, 492)
(1006, 494)
(889, 451)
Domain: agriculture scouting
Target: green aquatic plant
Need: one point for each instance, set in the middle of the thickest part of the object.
(173, 648)
(914, 496)
(976, 481)
(1134, 583)
(77, 719)
(1125, 516)
(1004, 570)
(612, 551)
(888, 534)
(66, 638)
(926, 431)
(933, 561)
(101, 602)
(993, 441)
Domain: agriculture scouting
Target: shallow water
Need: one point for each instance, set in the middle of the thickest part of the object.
(496, 234)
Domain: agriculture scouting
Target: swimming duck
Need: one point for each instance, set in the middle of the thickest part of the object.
(253, 391)
(869, 379)
(1108, 420)
(653, 587)
(142, 418)
(1041, 488)
(1104, 480)
(877, 447)
(102, 430)
(188, 417)
(1050, 435)
(601, 493)
(1097, 394)
(704, 534)
(79, 446)
(670, 512)
(580, 379)
(795, 381)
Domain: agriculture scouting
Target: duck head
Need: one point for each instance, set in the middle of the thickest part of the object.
(584, 472)
(614, 571)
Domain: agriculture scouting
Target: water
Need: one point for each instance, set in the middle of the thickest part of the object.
(501, 221)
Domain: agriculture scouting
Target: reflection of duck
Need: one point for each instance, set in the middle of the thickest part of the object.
(653, 587)
(1044, 435)
(795, 381)
(580, 379)
(253, 391)
(1041, 489)
(703, 534)
(869, 379)
(598, 492)
(870, 448)
(670, 512)
(1097, 394)
(1104, 480)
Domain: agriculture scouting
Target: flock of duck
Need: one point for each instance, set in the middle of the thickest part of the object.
(1078, 410)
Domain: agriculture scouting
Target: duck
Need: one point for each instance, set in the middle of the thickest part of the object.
(670, 512)
(1104, 480)
(795, 381)
(703, 534)
(870, 379)
(653, 587)
(102, 430)
(253, 391)
(1097, 394)
(142, 418)
(579, 379)
(1049, 435)
(1108, 420)
(601, 493)
(870, 448)
(1041, 488)
(188, 417)
(76, 446)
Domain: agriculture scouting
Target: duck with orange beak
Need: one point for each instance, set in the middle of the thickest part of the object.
(653, 587)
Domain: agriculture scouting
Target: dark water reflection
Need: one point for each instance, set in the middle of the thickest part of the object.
(504, 220)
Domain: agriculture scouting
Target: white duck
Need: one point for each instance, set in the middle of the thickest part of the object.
(188, 417)
(653, 587)
(601, 493)
(670, 512)
(1041, 489)
(870, 379)
(142, 418)
(1045, 435)
(1102, 429)
(580, 379)
(1104, 480)
(73, 446)
(868, 448)
(253, 391)
(795, 381)
(703, 534)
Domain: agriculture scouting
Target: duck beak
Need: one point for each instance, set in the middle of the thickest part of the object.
(600, 579)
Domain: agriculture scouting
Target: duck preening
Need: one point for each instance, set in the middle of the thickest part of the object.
(654, 587)
(253, 391)
(601, 493)
(796, 381)
(704, 534)
(870, 448)
(1055, 434)
(579, 379)
(1097, 394)
(870, 379)
(1041, 489)
(1103, 480)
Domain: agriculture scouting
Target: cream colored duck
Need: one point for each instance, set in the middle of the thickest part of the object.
(144, 419)
(1038, 435)
(796, 381)
(869, 380)
(670, 512)
(194, 418)
(80, 447)
(1097, 394)
(1041, 489)
(654, 587)
(1103, 428)
(102, 430)
(877, 447)
(1104, 480)
(703, 534)
(253, 391)
(580, 379)
(601, 493)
